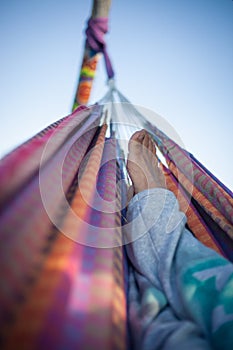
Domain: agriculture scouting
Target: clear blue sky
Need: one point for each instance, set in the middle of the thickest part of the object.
(172, 56)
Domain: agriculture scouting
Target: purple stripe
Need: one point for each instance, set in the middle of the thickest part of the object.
(93, 259)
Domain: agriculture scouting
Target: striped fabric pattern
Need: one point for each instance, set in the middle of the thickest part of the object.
(59, 292)
(200, 187)
(220, 198)
(63, 269)
(194, 220)
(25, 223)
(30, 153)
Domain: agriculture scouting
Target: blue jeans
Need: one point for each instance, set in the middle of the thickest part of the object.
(180, 292)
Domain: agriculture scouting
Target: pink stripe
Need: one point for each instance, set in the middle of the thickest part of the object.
(25, 222)
(19, 165)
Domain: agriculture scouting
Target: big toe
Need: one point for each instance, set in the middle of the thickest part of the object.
(136, 140)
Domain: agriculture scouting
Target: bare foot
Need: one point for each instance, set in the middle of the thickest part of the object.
(142, 164)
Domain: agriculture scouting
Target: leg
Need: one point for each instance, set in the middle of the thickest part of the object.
(153, 323)
(196, 282)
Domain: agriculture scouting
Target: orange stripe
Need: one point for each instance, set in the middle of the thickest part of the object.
(75, 223)
(193, 219)
(203, 201)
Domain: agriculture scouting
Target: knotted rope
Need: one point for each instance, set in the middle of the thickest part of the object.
(97, 28)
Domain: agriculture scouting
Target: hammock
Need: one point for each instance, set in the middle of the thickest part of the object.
(62, 208)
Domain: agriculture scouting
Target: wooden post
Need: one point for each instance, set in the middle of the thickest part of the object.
(101, 8)
(90, 59)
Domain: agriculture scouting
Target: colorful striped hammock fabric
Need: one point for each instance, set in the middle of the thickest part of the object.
(63, 197)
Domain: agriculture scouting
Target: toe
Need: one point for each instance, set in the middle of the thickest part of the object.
(145, 142)
(136, 141)
(154, 151)
(151, 146)
(138, 135)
